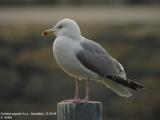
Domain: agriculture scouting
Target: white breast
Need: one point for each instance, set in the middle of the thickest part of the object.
(64, 51)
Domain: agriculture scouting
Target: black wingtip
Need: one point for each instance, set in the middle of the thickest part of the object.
(128, 83)
(137, 86)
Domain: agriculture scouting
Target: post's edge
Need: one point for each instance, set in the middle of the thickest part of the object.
(79, 102)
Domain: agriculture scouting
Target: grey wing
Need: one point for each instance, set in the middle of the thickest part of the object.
(96, 59)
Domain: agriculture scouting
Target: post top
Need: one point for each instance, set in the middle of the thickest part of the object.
(80, 101)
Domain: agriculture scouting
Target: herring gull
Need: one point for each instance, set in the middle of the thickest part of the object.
(85, 59)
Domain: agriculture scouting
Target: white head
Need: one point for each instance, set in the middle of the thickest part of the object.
(65, 27)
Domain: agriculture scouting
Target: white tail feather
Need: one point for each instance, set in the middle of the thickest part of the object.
(117, 88)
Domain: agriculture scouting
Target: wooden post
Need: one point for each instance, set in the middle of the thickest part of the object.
(69, 110)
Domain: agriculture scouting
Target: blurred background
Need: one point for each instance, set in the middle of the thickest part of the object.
(30, 79)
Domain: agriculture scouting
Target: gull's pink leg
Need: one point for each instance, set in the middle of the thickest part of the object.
(76, 97)
(87, 90)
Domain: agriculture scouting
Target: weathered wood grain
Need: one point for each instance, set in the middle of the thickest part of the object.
(91, 110)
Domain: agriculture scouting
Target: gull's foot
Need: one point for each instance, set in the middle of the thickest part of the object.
(85, 100)
(72, 100)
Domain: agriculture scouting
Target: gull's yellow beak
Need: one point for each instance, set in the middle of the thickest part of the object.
(48, 32)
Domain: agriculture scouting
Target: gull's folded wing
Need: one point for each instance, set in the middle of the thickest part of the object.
(96, 59)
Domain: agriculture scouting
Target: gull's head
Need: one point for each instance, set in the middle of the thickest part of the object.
(65, 27)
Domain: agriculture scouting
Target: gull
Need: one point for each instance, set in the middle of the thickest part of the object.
(84, 59)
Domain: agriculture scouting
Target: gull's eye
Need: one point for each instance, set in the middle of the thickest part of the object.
(60, 27)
